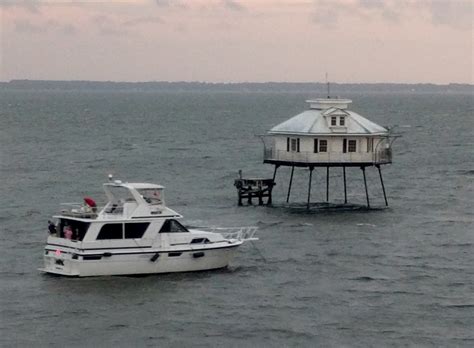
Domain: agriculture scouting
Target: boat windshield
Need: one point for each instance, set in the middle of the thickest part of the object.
(152, 195)
(121, 194)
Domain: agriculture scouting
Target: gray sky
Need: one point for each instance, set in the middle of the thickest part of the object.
(404, 41)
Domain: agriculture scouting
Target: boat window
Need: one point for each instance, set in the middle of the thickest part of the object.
(342, 121)
(136, 230)
(333, 121)
(173, 226)
(111, 231)
(152, 196)
(200, 241)
(77, 229)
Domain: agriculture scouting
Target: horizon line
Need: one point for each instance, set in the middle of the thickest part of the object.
(245, 82)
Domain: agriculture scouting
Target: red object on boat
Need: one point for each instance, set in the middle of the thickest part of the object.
(90, 202)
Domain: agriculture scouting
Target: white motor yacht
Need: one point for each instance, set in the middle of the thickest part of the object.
(134, 233)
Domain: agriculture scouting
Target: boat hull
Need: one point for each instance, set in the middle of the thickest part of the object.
(143, 262)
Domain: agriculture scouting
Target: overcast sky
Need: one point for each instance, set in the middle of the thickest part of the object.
(403, 41)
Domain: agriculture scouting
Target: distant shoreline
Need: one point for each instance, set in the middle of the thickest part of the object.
(181, 86)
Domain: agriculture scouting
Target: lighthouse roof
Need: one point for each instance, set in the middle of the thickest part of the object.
(318, 121)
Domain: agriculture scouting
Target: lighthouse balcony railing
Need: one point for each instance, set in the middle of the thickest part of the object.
(378, 157)
(383, 156)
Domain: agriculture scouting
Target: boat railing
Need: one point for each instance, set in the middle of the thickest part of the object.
(79, 210)
(238, 233)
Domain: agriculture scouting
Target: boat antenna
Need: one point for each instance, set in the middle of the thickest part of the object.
(327, 83)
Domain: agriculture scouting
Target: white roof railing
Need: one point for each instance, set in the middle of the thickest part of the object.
(327, 103)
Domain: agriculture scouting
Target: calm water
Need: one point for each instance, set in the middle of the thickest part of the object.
(399, 276)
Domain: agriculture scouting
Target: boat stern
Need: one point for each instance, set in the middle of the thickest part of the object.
(60, 263)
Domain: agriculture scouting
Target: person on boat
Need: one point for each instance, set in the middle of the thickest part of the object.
(90, 205)
(52, 228)
(68, 232)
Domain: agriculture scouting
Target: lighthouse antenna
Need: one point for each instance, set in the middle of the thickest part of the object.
(327, 83)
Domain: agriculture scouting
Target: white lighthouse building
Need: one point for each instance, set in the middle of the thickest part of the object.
(328, 135)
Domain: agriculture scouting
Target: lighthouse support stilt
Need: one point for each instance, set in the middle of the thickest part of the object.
(365, 184)
(345, 189)
(309, 186)
(383, 186)
(327, 184)
(289, 187)
(269, 201)
(275, 172)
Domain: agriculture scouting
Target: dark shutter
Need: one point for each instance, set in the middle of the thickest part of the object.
(298, 145)
(287, 144)
(315, 145)
(344, 146)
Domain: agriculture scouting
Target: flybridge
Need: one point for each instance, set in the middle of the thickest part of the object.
(125, 201)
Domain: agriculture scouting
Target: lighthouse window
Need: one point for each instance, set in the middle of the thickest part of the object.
(370, 144)
(342, 121)
(352, 146)
(333, 121)
(323, 146)
(295, 144)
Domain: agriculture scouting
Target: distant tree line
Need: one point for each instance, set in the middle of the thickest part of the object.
(251, 87)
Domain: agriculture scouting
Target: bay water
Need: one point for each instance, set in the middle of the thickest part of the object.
(383, 277)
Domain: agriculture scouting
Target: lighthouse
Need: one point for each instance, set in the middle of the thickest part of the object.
(328, 135)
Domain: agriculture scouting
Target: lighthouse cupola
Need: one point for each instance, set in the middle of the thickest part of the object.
(327, 103)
